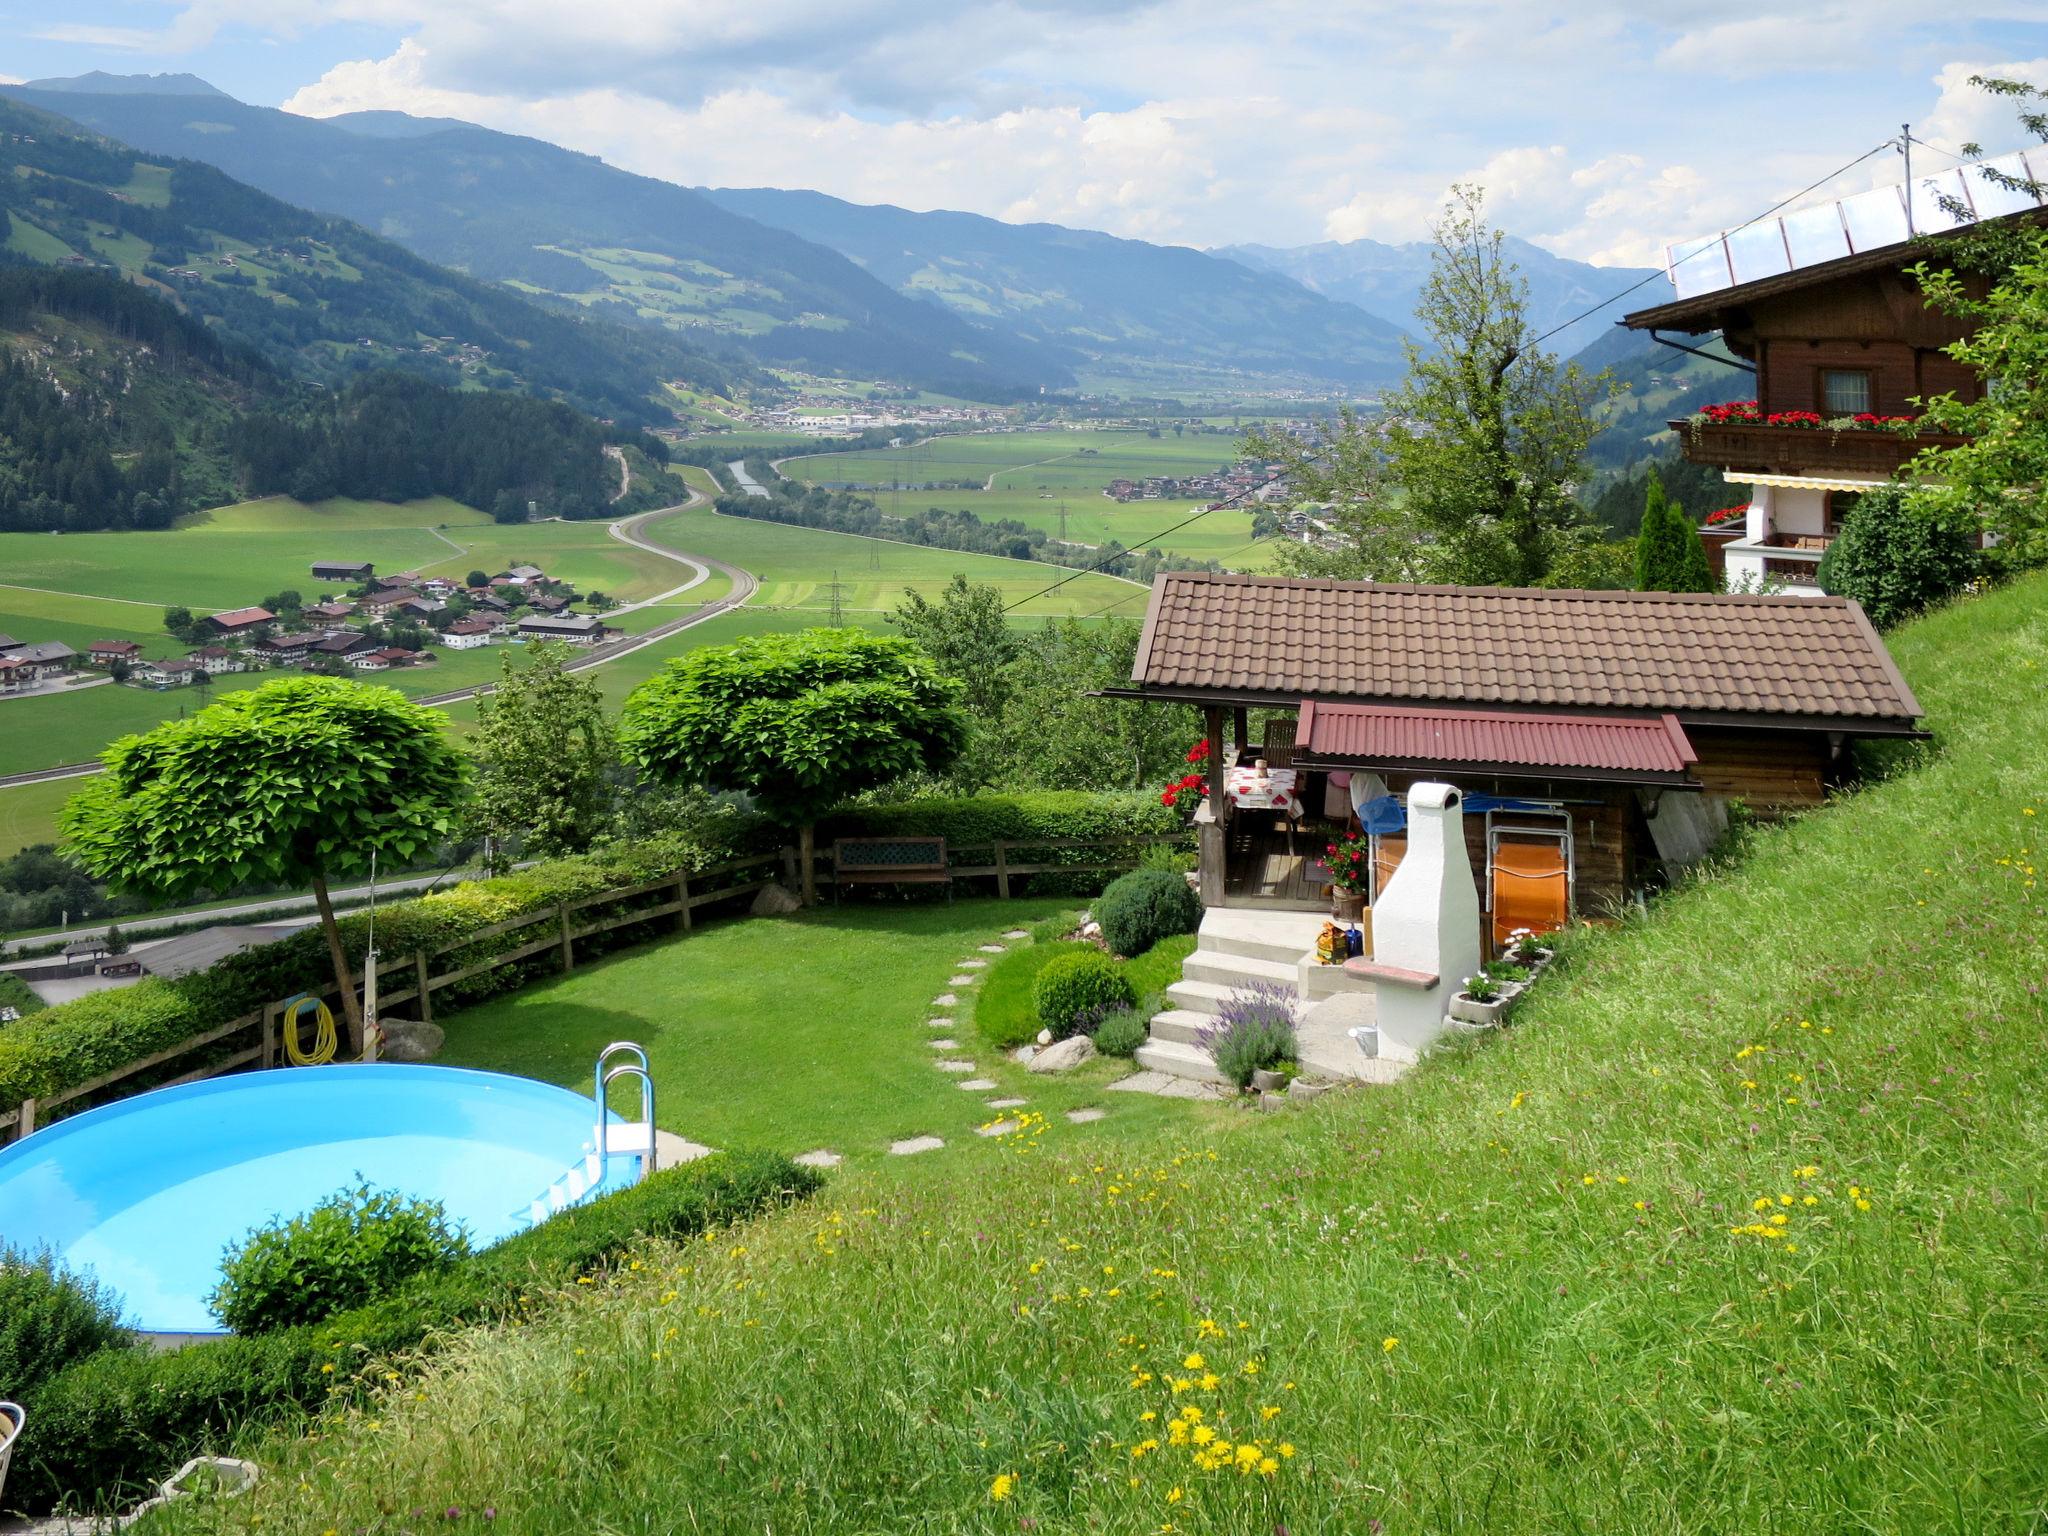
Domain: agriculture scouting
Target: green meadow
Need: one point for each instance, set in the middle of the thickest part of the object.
(1028, 475)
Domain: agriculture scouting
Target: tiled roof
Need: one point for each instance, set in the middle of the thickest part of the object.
(1627, 746)
(1687, 653)
(239, 616)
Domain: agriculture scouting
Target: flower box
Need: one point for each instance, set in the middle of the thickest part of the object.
(1469, 1010)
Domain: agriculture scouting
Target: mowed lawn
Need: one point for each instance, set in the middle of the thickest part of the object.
(793, 1033)
(28, 813)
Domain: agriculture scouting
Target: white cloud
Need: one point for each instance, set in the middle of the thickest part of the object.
(1968, 114)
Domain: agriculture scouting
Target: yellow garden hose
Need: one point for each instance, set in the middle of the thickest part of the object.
(323, 1032)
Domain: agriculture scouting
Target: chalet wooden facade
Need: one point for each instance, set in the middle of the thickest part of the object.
(1599, 737)
(1822, 307)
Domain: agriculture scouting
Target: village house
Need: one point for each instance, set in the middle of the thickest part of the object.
(468, 634)
(1839, 346)
(521, 575)
(35, 665)
(286, 650)
(240, 622)
(397, 580)
(215, 660)
(104, 653)
(1599, 738)
(576, 628)
(328, 613)
(345, 643)
(545, 604)
(351, 571)
(168, 674)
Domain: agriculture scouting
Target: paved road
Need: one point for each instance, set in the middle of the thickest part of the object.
(746, 482)
(628, 531)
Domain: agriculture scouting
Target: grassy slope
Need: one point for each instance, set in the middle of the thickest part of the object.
(1513, 1293)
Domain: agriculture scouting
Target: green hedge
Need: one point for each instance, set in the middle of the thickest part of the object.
(77, 1041)
(18, 995)
(107, 1428)
(1052, 815)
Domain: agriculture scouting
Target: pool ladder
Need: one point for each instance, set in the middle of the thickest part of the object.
(636, 1140)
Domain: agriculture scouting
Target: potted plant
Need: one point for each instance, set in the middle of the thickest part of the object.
(1525, 949)
(1349, 861)
(1480, 1002)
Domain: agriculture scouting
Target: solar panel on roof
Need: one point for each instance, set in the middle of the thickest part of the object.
(1851, 226)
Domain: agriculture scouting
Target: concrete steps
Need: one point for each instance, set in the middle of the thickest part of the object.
(1181, 1026)
(1178, 1060)
(1236, 970)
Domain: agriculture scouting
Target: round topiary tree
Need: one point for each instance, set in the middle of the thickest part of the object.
(800, 722)
(1085, 981)
(1139, 909)
(294, 783)
(1896, 556)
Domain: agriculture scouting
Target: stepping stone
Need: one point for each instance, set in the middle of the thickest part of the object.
(1007, 1103)
(671, 1149)
(1167, 1086)
(940, 1023)
(996, 1128)
(1018, 933)
(944, 1000)
(821, 1158)
(973, 965)
(943, 1045)
(910, 1146)
(1084, 1116)
(990, 949)
(964, 979)
(959, 1067)
(977, 1084)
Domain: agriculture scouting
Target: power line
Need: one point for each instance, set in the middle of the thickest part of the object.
(1145, 543)
(1644, 282)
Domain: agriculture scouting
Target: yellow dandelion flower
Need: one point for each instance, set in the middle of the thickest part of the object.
(1004, 1485)
(1194, 1362)
(1388, 1344)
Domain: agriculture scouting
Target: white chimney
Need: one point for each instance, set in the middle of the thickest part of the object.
(1425, 925)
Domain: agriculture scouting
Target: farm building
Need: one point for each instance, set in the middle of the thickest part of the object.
(1599, 737)
(240, 621)
(31, 666)
(576, 628)
(468, 634)
(343, 570)
(104, 653)
(330, 613)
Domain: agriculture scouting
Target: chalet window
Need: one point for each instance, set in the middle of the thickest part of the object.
(1839, 505)
(1844, 391)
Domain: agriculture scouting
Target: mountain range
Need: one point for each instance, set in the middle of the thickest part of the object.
(944, 300)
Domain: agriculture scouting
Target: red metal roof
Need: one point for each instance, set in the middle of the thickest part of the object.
(1630, 746)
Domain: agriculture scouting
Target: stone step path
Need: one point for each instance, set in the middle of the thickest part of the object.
(822, 1157)
(912, 1145)
(943, 1044)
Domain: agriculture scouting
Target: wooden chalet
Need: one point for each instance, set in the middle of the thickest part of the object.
(1599, 737)
(1822, 310)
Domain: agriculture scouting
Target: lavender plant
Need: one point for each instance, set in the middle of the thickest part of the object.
(1254, 1031)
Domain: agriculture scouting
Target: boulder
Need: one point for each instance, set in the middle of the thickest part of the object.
(1045, 1037)
(1064, 1055)
(775, 901)
(409, 1040)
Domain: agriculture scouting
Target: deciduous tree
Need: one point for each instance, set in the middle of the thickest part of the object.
(297, 782)
(968, 635)
(544, 756)
(799, 721)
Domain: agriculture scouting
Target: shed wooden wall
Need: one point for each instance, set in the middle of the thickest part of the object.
(1876, 321)
(1766, 770)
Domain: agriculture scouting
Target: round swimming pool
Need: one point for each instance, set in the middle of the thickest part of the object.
(147, 1193)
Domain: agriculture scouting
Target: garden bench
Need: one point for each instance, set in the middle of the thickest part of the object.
(890, 861)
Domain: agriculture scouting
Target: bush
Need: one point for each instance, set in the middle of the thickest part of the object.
(1121, 1032)
(1896, 557)
(1145, 906)
(1253, 1032)
(352, 1246)
(100, 1032)
(120, 1420)
(49, 1318)
(1082, 981)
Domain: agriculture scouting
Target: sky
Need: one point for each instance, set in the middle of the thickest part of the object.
(1600, 129)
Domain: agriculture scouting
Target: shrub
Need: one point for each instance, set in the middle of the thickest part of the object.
(98, 1033)
(49, 1318)
(1254, 1031)
(1076, 983)
(120, 1420)
(352, 1246)
(1145, 906)
(1896, 557)
(1121, 1032)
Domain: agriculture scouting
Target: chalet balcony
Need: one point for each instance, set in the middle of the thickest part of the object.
(1760, 448)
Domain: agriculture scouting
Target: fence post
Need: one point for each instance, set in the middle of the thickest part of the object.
(270, 1034)
(25, 1123)
(1003, 870)
(419, 973)
(568, 949)
(683, 902)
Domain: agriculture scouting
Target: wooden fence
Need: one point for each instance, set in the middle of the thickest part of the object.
(557, 929)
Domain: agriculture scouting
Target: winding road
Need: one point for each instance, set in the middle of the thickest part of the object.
(628, 531)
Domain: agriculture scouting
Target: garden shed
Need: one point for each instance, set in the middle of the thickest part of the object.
(1599, 738)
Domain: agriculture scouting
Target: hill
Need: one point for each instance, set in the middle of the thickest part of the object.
(571, 230)
(1385, 280)
(1736, 1228)
(317, 297)
(1083, 295)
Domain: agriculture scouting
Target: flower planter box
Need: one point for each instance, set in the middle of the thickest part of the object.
(1468, 1010)
(211, 1477)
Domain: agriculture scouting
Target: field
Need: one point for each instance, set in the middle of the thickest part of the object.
(28, 813)
(1028, 475)
(1737, 1228)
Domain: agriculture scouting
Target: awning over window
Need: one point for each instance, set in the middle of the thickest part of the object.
(1634, 748)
